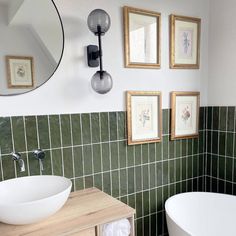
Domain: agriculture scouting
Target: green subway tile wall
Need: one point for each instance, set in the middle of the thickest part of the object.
(221, 151)
(91, 150)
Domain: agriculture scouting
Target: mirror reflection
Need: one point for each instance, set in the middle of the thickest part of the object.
(31, 44)
(142, 38)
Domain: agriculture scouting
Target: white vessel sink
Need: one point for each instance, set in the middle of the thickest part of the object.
(31, 199)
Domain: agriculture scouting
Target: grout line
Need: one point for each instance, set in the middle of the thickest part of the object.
(100, 130)
(13, 145)
(226, 126)
(50, 143)
(72, 150)
(1, 166)
(61, 140)
(26, 146)
(233, 172)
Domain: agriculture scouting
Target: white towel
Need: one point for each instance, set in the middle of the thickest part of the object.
(117, 228)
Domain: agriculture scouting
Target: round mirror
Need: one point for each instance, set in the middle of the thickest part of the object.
(31, 45)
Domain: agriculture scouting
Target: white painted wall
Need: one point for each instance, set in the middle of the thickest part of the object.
(222, 51)
(69, 90)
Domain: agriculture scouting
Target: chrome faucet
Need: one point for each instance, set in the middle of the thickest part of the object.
(17, 157)
(40, 155)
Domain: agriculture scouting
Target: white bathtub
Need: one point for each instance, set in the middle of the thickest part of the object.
(201, 214)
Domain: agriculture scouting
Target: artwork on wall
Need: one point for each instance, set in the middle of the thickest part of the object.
(184, 42)
(184, 114)
(20, 71)
(142, 38)
(144, 117)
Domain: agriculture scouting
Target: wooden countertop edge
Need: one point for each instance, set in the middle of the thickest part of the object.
(66, 221)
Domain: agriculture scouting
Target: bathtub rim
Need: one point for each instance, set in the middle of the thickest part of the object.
(176, 221)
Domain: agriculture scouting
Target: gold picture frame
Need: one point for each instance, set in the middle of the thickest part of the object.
(185, 35)
(145, 24)
(20, 71)
(185, 115)
(144, 117)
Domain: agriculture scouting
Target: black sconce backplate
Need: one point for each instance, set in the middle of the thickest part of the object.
(93, 55)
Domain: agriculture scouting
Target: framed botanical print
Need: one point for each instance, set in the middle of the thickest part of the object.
(184, 114)
(20, 71)
(144, 117)
(142, 38)
(184, 42)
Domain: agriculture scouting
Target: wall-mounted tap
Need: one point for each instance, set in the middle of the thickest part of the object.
(40, 155)
(17, 157)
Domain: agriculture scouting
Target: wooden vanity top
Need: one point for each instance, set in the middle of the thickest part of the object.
(84, 209)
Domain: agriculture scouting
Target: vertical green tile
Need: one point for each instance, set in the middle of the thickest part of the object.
(31, 133)
(229, 147)
(123, 182)
(222, 144)
(130, 155)
(223, 112)
(159, 200)
(190, 146)
(184, 147)
(177, 148)
(98, 181)
(114, 155)
(138, 156)
(19, 135)
(177, 164)
(131, 180)
(6, 135)
(88, 165)
(107, 183)
(171, 149)
(68, 162)
(78, 161)
(56, 162)
(146, 180)
(47, 164)
(65, 130)
(95, 127)
(221, 167)
(89, 182)
(138, 180)
(184, 174)
(158, 151)
(139, 205)
(190, 166)
(159, 173)
(122, 154)
(215, 145)
(139, 227)
(8, 168)
(153, 224)
(113, 125)
(121, 125)
(55, 131)
(152, 152)
(229, 169)
(79, 184)
(76, 129)
(43, 132)
(105, 157)
(209, 117)
(104, 126)
(165, 121)
(230, 120)
(165, 173)
(131, 200)
(165, 147)
(86, 131)
(146, 202)
(195, 146)
(215, 117)
(202, 118)
(152, 174)
(172, 171)
(97, 158)
(145, 157)
(115, 183)
(153, 205)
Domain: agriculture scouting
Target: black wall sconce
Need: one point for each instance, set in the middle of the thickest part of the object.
(99, 23)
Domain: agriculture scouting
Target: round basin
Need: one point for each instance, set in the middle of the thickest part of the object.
(28, 200)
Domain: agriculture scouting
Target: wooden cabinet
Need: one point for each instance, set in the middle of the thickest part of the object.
(84, 214)
(87, 232)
